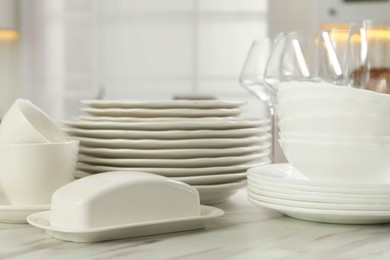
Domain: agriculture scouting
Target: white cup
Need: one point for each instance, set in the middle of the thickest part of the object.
(26, 123)
(30, 173)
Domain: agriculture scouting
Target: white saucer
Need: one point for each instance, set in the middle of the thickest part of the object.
(330, 216)
(168, 134)
(166, 112)
(213, 194)
(41, 220)
(98, 103)
(285, 176)
(173, 144)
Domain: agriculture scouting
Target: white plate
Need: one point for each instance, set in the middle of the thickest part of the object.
(172, 172)
(318, 205)
(286, 176)
(172, 144)
(192, 162)
(162, 104)
(172, 153)
(153, 119)
(204, 124)
(268, 189)
(166, 112)
(213, 194)
(330, 216)
(212, 179)
(168, 134)
(41, 220)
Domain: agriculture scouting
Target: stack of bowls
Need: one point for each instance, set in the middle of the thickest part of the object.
(337, 141)
(36, 159)
(203, 143)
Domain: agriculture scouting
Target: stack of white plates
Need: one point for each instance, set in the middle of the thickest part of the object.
(280, 187)
(202, 143)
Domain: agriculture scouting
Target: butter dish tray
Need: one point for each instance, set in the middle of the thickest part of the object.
(41, 220)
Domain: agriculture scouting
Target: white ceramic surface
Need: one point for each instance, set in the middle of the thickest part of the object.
(192, 162)
(168, 134)
(171, 153)
(329, 139)
(213, 194)
(99, 103)
(329, 216)
(121, 198)
(42, 220)
(287, 177)
(173, 144)
(167, 112)
(360, 163)
(212, 179)
(151, 119)
(26, 123)
(30, 173)
(203, 124)
(338, 124)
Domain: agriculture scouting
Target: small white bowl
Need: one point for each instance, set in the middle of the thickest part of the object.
(331, 139)
(338, 124)
(123, 197)
(26, 123)
(330, 105)
(352, 163)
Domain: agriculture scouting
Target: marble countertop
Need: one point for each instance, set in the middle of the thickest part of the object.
(245, 232)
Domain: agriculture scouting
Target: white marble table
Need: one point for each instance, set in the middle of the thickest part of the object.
(245, 232)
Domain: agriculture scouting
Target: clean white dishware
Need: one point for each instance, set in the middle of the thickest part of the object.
(213, 194)
(172, 153)
(318, 205)
(26, 123)
(212, 179)
(169, 125)
(42, 220)
(330, 105)
(167, 112)
(329, 139)
(329, 216)
(173, 144)
(199, 104)
(192, 162)
(349, 163)
(151, 119)
(174, 172)
(338, 124)
(168, 134)
(287, 177)
(138, 197)
(30, 173)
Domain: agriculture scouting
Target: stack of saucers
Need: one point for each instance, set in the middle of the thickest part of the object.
(203, 143)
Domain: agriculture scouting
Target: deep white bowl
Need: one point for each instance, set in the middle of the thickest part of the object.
(119, 198)
(359, 163)
(338, 124)
(331, 139)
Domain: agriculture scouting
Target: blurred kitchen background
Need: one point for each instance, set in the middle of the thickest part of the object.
(56, 52)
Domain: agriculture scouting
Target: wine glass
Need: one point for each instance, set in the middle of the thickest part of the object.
(251, 78)
(367, 64)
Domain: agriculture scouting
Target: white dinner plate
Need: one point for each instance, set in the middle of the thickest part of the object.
(329, 216)
(204, 124)
(192, 162)
(203, 104)
(212, 179)
(284, 175)
(173, 144)
(172, 172)
(168, 134)
(318, 205)
(213, 194)
(153, 119)
(172, 153)
(42, 220)
(166, 112)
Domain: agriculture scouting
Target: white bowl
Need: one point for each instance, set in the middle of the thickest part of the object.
(328, 105)
(338, 124)
(124, 197)
(331, 139)
(26, 123)
(293, 89)
(30, 173)
(359, 163)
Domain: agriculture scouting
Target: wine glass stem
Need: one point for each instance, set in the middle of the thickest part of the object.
(274, 133)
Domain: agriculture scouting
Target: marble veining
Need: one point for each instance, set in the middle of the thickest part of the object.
(246, 231)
